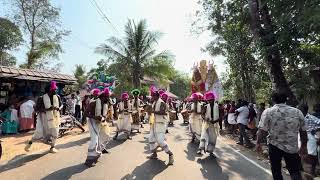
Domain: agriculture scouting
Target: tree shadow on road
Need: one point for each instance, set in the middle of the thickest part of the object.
(211, 169)
(146, 171)
(23, 159)
(66, 173)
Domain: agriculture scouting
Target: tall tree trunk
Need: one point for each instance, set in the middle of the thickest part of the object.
(261, 26)
(136, 76)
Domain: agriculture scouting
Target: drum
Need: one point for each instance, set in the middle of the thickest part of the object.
(135, 118)
(185, 115)
(172, 115)
(148, 109)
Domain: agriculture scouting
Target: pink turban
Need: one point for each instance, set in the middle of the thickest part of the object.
(164, 97)
(53, 86)
(95, 92)
(124, 96)
(209, 96)
(106, 91)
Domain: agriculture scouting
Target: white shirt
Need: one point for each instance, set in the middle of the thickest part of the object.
(243, 115)
(26, 109)
(78, 100)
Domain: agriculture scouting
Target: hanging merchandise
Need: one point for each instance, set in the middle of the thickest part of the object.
(101, 81)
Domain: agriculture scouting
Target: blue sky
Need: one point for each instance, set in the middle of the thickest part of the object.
(88, 29)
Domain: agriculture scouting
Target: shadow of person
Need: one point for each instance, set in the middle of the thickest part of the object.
(12, 164)
(114, 143)
(147, 170)
(191, 151)
(211, 169)
(66, 173)
(73, 143)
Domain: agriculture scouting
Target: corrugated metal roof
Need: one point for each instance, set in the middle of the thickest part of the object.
(31, 74)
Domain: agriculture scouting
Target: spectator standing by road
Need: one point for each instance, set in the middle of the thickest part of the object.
(283, 124)
(312, 124)
(78, 106)
(242, 120)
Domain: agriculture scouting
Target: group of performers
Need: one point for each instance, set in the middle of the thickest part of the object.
(129, 113)
(203, 121)
(100, 110)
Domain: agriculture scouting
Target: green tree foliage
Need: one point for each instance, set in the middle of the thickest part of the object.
(40, 21)
(136, 52)
(182, 84)
(162, 69)
(265, 45)
(10, 38)
(80, 74)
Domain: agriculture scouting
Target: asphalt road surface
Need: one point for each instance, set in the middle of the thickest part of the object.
(127, 160)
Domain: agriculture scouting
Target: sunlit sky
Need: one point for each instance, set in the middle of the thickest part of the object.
(88, 29)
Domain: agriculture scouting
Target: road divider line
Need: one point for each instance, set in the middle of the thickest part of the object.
(248, 159)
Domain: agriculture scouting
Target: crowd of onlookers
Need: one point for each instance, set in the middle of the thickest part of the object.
(292, 132)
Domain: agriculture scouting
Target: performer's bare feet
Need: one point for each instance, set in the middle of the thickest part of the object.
(212, 155)
(199, 152)
(129, 137)
(104, 151)
(171, 160)
(153, 156)
(28, 146)
(53, 150)
(116, 136)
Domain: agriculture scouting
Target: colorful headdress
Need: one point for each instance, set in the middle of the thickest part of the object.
(124, 96)
(210, 96)
(53, 86)
(106, 91)
(135, 92)
(95, 92)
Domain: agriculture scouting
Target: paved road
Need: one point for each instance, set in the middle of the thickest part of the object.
(128, 161)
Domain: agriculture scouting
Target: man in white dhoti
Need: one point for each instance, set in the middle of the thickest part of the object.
(107, 113)
(124, 121)
(164, 96)
(158, 121)
(210, 129)
(196, 118)
(48, 118)
(136, 110)
(94, 113)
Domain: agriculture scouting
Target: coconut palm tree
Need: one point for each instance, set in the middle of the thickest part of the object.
(137, 52)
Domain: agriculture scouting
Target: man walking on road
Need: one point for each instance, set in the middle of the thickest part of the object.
(242, 119)
(158, 121)
(283, 124)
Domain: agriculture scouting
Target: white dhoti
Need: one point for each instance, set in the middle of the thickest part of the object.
(94, 149)
(123, 123)
(195, 125)
(157, 137)
(104, 134)
(208, 137)
(44, 132)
